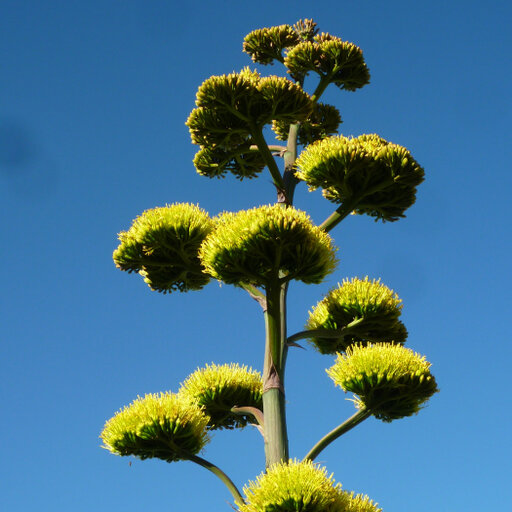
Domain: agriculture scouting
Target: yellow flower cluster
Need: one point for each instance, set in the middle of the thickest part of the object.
(265, 45)
(389, 380)
(218, 388)
(267, 244)
(162, 246)
(373, 305)
(366, 174)
(304, 486)
(165, 426)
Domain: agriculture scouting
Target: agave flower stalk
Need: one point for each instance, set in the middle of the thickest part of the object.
(274, 409)
(180, 248)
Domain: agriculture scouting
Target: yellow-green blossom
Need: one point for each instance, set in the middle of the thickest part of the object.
(165, 426)
(162, 246)
(267, 244)
(366, 174)
(372, 306)
(218, 388)
(301, 486)
(389, 380)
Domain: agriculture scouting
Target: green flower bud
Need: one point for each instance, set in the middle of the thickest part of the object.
(267, 244)
(323, 121)
(158, 425)
(242, 162)
(366, 174)
(219, 388)
(267, 44)
(338, 61)
(389, 380)
(162, 246)
(372, 304)
(301, 486)
(215, 127)
(241, 102)
(306, 29)
(231, 110)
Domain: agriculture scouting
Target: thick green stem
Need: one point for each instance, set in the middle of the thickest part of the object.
(276, 437)
(349, 424)
(290, 155)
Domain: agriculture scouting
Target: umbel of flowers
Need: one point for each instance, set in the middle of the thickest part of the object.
(180, 247)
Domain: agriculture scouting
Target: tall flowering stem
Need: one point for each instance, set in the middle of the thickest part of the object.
(276, 436)
(180, 248)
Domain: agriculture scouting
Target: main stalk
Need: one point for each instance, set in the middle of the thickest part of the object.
(276, 437)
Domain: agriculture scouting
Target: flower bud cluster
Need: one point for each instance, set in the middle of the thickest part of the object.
(231, 112)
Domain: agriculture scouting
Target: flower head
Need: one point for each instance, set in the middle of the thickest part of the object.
(336, 61)
(267, 244)
(162, 246)
(265, 45)
(218, 388)
(366, 174)
(163, 425)
(389, 380)
(301, 486)
(372, 306)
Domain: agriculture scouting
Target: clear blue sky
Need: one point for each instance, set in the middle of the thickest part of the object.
(93, 99)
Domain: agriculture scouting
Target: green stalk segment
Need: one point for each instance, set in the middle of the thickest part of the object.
(276, 437)
(347, 425)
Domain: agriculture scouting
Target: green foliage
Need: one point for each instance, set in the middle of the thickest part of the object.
(158, 425)
(265, 245)
(389, 380)
(301, 487)
(374, 306)
(162, 246)
(366, 174)
(218, 388)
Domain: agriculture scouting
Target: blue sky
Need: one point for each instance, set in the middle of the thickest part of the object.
(93, 100)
